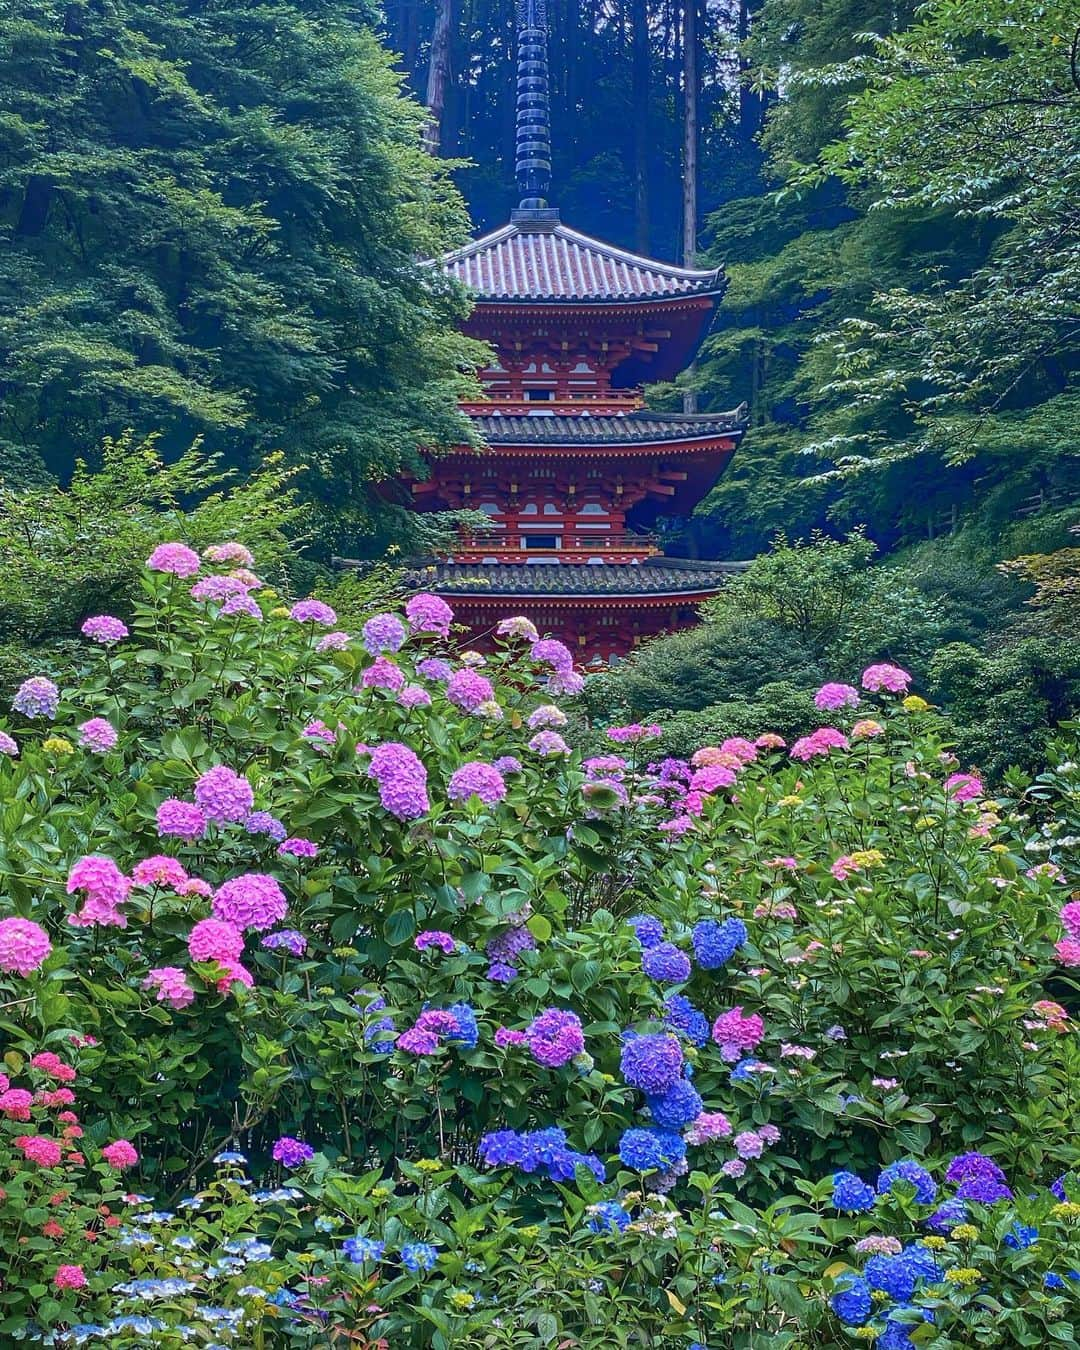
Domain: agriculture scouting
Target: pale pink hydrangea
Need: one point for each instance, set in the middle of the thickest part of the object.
(546, 715)
(98, 734)
(223, 795)
(567, 682)
(865, 728)
(159, 870)
(229, 552)
(708, 1127)
(743, 750)
(171, 986)
(24, 946)
(1045, 869)
(402, 780)
(770, 741)
(429, 613)
(633, 733)
(467, 690)
(547, 744)
(878, 1245)
(253, 900)
(177, 559)
(885, 676)
(217, 589)
(414, 696)
(518, 626)
(819, 742)
(8, 745)
(333, 642)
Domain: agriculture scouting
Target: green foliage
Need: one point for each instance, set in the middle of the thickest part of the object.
(210, 221)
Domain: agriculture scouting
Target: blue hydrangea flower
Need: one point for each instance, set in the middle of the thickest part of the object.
(468, 1033)
(897, 1333)
(651, 1150)
(922, 1261)
(851, 1194)
(908, 1170)
(360, 1249)
(1058, 1188)
(652, 1063)
(1053, 1281)
(1020, 1237)
(892, 1274)
(501, 1148)
(947, 1215)
(564, 1165)
(716, 943)
(666, 963)
(417, 1256)
(684, 1017)
(648, 929)
(851, 1302)
(677, 1107)
(608, 1217)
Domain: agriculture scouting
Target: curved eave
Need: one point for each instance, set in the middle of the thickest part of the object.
(719, 445)
(570, 600)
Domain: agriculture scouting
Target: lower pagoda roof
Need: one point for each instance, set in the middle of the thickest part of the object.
(614, 430)
(655, 577)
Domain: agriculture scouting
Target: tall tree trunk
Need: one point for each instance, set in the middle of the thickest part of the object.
(690, 151)
(639, 96)
(438, 74)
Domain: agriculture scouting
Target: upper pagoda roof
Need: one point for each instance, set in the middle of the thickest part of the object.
(656, 577)
(538, 259)
(618, 429)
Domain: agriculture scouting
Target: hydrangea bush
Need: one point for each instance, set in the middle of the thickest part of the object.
(420, 1028)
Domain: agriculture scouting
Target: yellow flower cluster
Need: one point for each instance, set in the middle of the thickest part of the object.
(934, 1243)
(1066, 1210)
(913, 703)
(963, 1275)
(965, 1232)
(428, 1165)
(56, 745)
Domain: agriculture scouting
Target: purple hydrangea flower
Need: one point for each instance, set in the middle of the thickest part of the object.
(428, 613)
(98, 735)
(285, 939)
(476, 779)
(217, 589)
(241, 604)
(253, 900)
(383, 633)
(104, 628)
(402, 780)
(183, 819)
(520, 627)
(434, 668)
(292, 1152)
(548, 743)
(467, 690)
(298, 848)
(435, 937)
(333, 642)
(414, 696)
(223, 794)
(555, 1037)
(383, 674)
(313, 611)
(262, 822)
(666, 963)
(36, 697)
(551, 652)
(652, 1063)
(177, 559)
(507, 764)
(8, 745)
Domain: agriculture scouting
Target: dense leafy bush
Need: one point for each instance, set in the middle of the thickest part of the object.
(520, 1046)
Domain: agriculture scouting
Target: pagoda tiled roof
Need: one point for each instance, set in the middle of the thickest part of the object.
(656, 577)
(543, 260)
(634, 428)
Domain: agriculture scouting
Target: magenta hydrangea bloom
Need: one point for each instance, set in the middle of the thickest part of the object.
(98, 735)
(8, 745)
(171, 986)
(104, 628)
(120, 1154)
(435, 937)
(36, 697)
(885, 676)
(555, 1037)
(711, 777)
(830, 697)
(467, 690)
(313, 611)
(383, 674)
(177, 559)
(215, 940)
(106, 889)
(160, 870)
(735, 1032)
(402, 780)
(964, 787)
(24, 946)
(414, 696)
(428, 613)
(633, 733)
(229, 552)
(298, 848)
(507, 1036)
(384, 633)
(291, 1152)
(333, 642)
(319, 731)
(253, 900)
(818, 743)
(547, 744)
(508, 764)
(183, 819)
(1070, 918)
(476, 779)
(223, 795)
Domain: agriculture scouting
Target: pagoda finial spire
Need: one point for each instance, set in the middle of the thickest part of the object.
(533, 107)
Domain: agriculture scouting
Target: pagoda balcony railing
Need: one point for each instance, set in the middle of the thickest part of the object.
(508, 541)
(587, 401)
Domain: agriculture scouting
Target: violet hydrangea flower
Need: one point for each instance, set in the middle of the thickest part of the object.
(183, 819)
(830, 697)
(555, 1037)
(285, 939)
(435, 937)
(104, 628)
(291, 1153)
(428, 613)
(383, 633)
(36, 697)
(313, 611)
(253, 900)
(98, 735)
(401, 779)
(223, 794)
(468, 690)
(476, 779)
(176, 559)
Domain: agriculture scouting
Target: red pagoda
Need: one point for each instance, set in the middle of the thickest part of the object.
(577, 471)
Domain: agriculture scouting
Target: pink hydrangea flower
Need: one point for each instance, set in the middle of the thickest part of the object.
(555, 1037)
(547, 744)
(770, 741)
(734, 1032)
(416, 1041)
(865, 728)
(319, 731)
(241, 605)
(1070, 918)
(546, 715)
(467, 690)
(832, 696)
(171, 986)
(229, 552)
(734, 1167)
(37, 1149)
(741, 748)
(223, 795)
(749, 1144)
(428, 613)
(333, 642)
(313, 611)
(634, 733)
(50, 1063)
(120, 1154)
(708, 1127)
(177, 559)
(160, 870)
(414, 696)
(8, 745)
(566, 681)
(253, 900)
(402, 780)
(234, 973)
(104, 628)
(69, 1277)
(183, 820)
(476, 779)
(218, 589)
(106, 887)
(964, 787)
(24, 946)
(519, 626)
(884, 676)
(711, 777)
(844, 867)
(383, 674)
(507, 1036)
(215, 940)
(1068, 951)
(819, 742)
